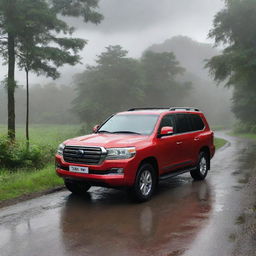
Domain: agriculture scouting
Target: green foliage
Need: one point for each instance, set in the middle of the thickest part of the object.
(112, 85)
(234, 27)
(160, 71)
(29, 32)
(15, 155)
(118, 82)
(44, 142)
(245, 128)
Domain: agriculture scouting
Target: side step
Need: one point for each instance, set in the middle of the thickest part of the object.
(175, 173)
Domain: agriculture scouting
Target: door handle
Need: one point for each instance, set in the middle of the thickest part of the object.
(179, 142)
(196, 139)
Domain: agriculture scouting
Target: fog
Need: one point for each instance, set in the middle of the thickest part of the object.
(138, 25)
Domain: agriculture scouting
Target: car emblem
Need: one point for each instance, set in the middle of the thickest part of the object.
(80, 152)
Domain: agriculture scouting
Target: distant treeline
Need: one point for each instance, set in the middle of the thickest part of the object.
(118, 82)
(50, 104)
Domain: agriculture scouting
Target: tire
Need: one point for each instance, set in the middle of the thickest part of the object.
(202, 168)
(145, 183)
(78, 188)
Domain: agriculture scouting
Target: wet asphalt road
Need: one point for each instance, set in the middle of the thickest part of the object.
(214, 217)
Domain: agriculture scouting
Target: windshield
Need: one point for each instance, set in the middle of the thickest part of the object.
(131, 124)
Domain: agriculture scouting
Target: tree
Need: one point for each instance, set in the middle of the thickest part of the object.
(19, 17)
(234, 27)
(35, 55)
(118, 82)
(161, 87)
(113, 84)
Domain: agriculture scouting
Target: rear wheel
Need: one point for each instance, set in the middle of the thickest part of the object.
(145, 183)
(77, 188)
(201, 171)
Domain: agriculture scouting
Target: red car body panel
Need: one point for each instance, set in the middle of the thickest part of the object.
(171, 153)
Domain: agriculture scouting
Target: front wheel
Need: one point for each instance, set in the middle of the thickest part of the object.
(202, 168)
(77, 188)
(145, 183)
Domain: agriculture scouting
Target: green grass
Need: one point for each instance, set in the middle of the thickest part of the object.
(13, 185)
(45, 135)
(24, 182)
(244, 135)
(219, 143)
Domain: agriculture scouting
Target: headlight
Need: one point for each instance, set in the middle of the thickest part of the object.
(60, 149)
(120, 153)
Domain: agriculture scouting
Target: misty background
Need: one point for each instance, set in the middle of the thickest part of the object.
(180, 27)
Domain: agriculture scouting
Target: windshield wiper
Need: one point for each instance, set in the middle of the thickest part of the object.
(103, 131)
(128, 132)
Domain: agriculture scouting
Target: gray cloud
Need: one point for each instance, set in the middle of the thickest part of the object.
(139, 15)
(137, 24)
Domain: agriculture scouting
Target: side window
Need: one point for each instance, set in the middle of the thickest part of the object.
(197, 122)
(167, 120)
(183, 123)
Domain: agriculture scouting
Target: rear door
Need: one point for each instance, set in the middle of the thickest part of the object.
(183, 139)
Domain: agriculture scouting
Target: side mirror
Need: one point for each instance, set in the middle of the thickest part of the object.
(166, 130)
(95, 128)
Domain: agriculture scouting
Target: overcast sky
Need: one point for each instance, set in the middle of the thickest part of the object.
(137, 24)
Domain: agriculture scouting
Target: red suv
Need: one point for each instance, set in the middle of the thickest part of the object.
(137, 149)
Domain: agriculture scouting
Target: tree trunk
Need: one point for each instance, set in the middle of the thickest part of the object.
(27, 113)
(11, 86)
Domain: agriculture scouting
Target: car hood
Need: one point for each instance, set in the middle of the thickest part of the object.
(109, 140)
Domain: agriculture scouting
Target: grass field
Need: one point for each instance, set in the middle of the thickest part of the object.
(51, 135)
(23, 182)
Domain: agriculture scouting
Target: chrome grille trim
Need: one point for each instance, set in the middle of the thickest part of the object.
(86, 155)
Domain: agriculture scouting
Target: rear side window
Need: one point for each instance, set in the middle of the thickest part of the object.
(197, 122)
(183, 123)
(188, 123)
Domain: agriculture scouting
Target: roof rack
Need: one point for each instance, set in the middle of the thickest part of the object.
(184, 108)
(134, 109)
(170, 109)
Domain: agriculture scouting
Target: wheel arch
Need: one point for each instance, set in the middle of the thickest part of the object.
(153, 161)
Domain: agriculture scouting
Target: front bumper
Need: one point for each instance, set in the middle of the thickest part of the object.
(100, 174)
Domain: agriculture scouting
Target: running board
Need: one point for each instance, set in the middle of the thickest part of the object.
(175, 173)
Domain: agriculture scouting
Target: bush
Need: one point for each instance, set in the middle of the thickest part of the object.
(15, 155)
(245, 128)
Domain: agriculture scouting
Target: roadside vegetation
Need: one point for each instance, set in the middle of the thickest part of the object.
(28, 179)
(219, 143)
(244, 130)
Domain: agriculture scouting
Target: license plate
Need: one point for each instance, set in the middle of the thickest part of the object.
(78, 169)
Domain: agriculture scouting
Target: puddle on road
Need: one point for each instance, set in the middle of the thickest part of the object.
(170, 220)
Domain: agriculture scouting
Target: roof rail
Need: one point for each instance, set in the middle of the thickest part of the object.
(184, 108)
(134, 109)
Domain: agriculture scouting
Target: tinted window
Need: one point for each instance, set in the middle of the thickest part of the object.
(183, 123)
(167, 120)
(197, 123)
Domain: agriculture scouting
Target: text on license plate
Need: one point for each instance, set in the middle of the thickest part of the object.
(79, 169)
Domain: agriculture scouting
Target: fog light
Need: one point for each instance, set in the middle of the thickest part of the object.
(117, 170)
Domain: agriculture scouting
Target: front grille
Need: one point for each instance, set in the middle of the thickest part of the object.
(83, 155)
